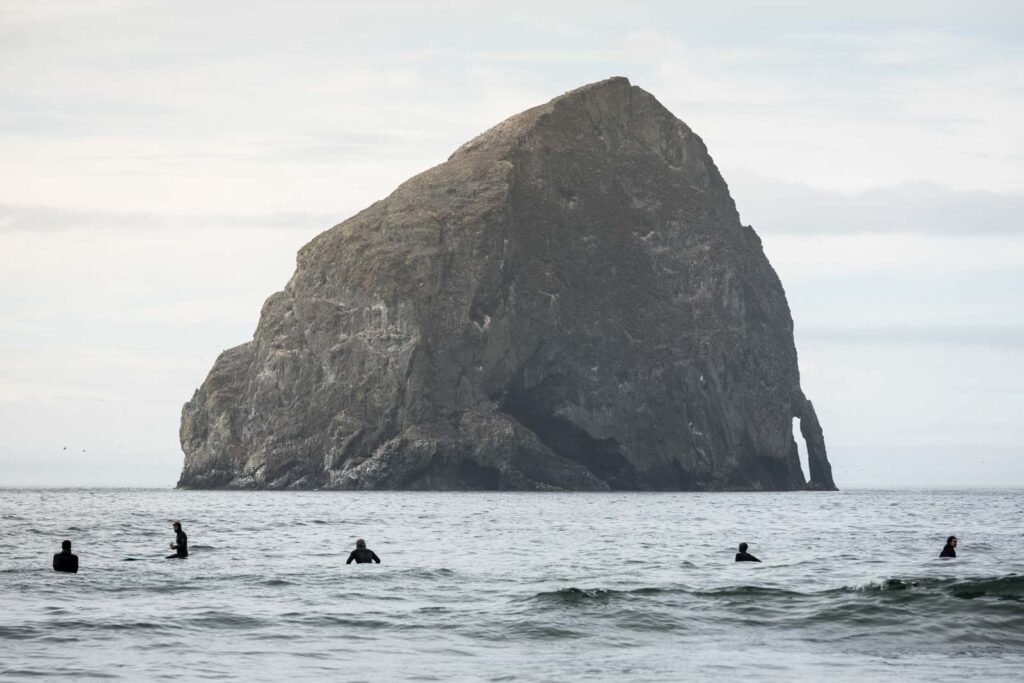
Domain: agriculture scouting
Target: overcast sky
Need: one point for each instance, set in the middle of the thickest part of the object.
(162, 162)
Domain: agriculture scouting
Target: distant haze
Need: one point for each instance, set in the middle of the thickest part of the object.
(163, 162)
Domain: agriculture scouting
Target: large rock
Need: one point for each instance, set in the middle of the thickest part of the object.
(569, 302)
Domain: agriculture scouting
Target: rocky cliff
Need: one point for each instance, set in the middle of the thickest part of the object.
(569, 302)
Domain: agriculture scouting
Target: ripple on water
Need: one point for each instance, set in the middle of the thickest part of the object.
(515, 586)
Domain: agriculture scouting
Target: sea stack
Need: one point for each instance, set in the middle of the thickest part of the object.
(570, 302)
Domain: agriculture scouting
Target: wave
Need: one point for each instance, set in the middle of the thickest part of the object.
(1009, 587)
(578, 595)
(277, 582)
(574, 595)
(427, 573)
(64, 630)
(321, 620)
(379, 572)
(215, 619)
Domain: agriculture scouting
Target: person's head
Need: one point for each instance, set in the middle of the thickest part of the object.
(360, 543)
(743, 547)
(65, 545)
(176, 526)
(951, 541)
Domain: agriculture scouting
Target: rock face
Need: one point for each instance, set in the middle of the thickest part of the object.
(569, 302)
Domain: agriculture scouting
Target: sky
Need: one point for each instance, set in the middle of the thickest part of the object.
(163, 162)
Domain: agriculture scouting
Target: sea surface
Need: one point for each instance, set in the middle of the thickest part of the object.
(513, 586)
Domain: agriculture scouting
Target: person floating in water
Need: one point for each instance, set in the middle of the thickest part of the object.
(744, 556)
(180, 544)
(65, 561)
(950, 549)
(362, 554)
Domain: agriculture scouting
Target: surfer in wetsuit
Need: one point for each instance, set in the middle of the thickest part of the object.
(362, 554)
(65, 561)
(744, 556)
(950, 549)
(180, 544)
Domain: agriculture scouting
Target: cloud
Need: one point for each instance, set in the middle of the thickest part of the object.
(15, 13)
(846, 109)
(773, 206)
(929, 49)
(989, 336)
(926, 466)
(47, 219)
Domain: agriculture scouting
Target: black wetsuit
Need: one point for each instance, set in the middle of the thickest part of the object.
(65, 561)
(180, 540)
(746, 557)
(362, 556)
(948, 551)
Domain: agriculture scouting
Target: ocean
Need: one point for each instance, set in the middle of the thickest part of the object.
(513, 586)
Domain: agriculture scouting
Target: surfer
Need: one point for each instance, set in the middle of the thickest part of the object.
(744, 556)
(180, 544)
(362, 554)
(65, 561)
(950, 549)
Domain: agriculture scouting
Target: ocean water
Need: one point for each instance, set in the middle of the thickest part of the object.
(513, 586)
